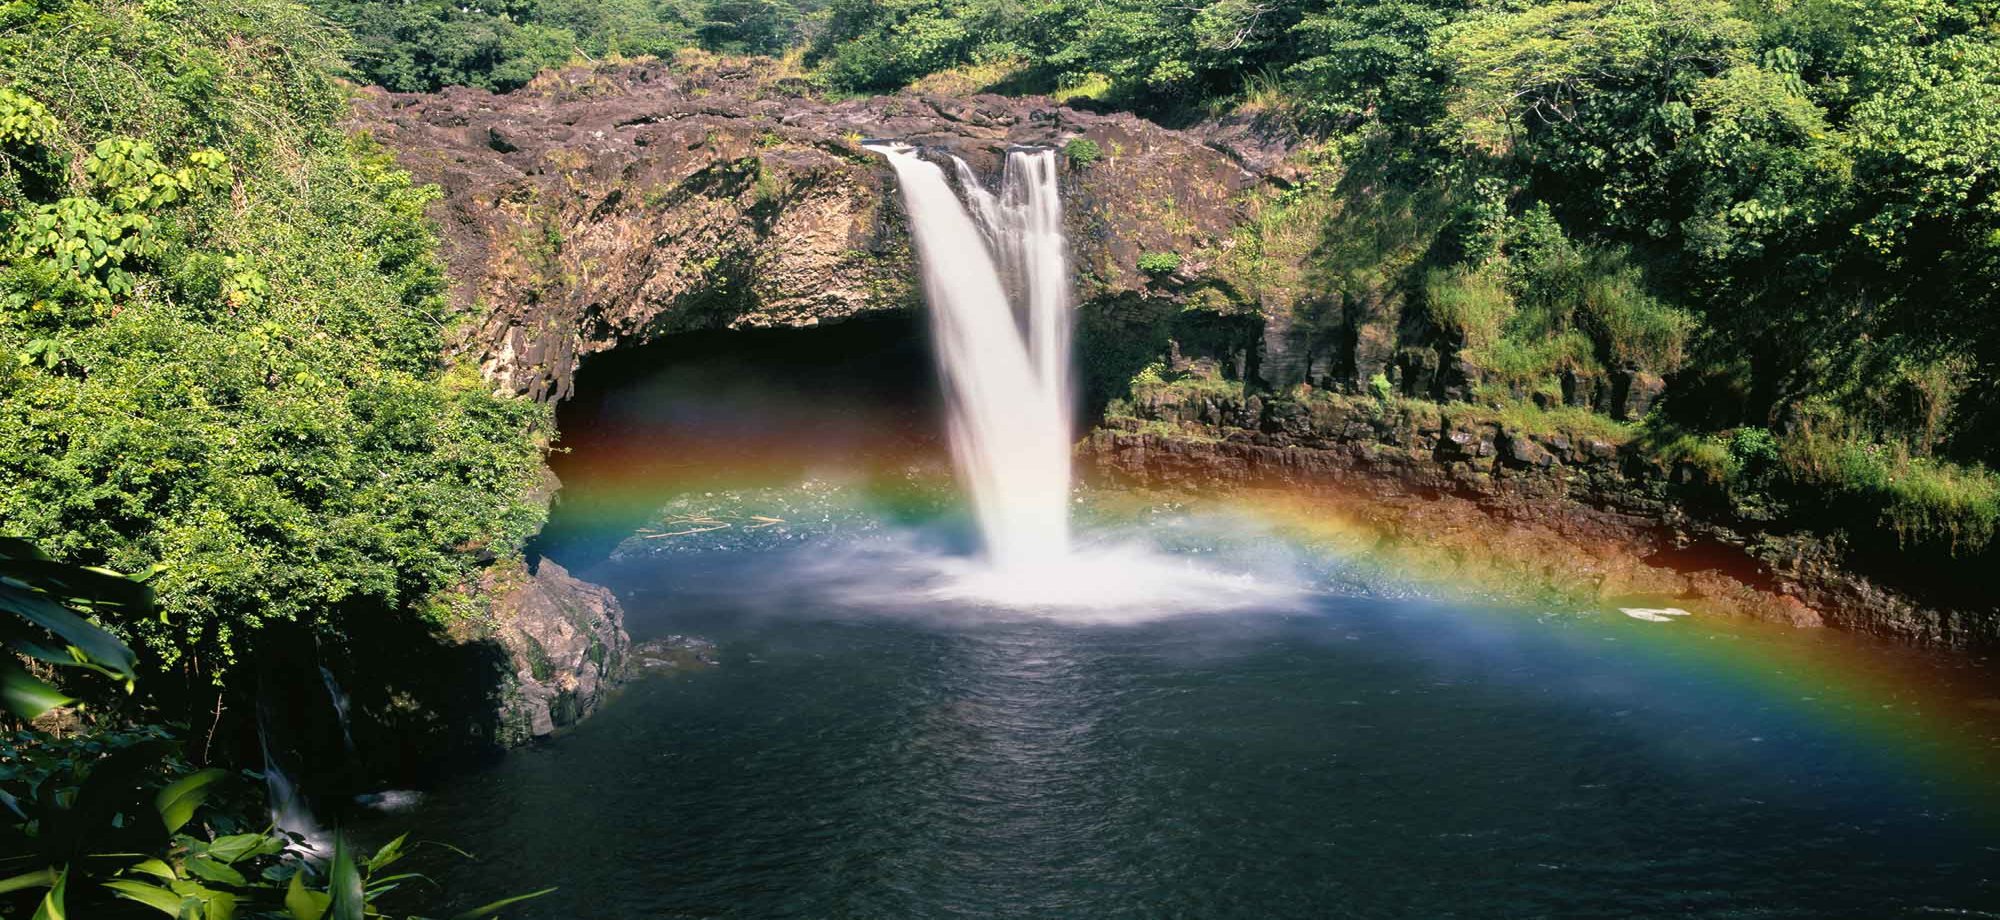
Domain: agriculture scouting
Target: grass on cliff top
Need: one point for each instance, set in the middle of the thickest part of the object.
(1156, 378)
(1924, 502)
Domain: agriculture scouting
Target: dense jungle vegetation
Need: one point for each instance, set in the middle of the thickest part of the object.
(224, 324)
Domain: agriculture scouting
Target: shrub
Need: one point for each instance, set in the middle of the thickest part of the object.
(1923, 502)
(1380, 386)
(1753, 449)
(1082, 152)
(1634, 327)
(1160, 263)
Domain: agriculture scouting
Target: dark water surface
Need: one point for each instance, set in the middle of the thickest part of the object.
(1359, 757)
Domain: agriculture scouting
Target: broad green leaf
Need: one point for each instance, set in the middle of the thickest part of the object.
(81, 584)
(40, 878)
(215, 871)
(389, 853)
(23, 694)
(304, 903)
(236, 846)
(489, 910)
(52, 903)
(152, 896)
(155, 868)
(100, 646)
(16, 547)
(178, 801)
(221, 906)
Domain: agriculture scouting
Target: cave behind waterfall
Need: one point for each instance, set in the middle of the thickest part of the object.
(736, 409)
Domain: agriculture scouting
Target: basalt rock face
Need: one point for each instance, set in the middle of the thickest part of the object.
(607, 206)
(1582, 512)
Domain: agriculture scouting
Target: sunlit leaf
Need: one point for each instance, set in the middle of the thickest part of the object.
(40, 878)
(152, 896)
(389, 853)
(221, 906)
(304, 903)
(215, 871)
(179, 800)
(100, 646)
(23, 694)
(155, 868)
(52, 903)
(344, 884)
(236, 846)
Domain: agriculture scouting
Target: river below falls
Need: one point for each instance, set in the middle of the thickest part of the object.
(1342, 751)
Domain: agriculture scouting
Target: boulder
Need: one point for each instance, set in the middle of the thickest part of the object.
(566, 641)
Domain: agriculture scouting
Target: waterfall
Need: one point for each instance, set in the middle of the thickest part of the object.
(997, 281)
(996, 274)
(340, 707)
(289, 810)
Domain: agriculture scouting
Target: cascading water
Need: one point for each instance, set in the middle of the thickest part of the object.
(996, 275)
(1005, 359)
(340, 707)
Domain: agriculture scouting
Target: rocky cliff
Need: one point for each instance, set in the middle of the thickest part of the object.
(605, 207)
(566, 645)
(600, 207)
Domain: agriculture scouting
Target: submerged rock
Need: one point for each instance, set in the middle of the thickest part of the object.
(674, 652)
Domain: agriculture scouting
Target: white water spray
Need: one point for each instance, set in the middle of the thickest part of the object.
(1005, 359)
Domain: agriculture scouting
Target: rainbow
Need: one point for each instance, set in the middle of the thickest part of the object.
(1930, 716)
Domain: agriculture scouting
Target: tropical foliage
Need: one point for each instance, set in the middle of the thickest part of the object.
(426, 44)
(221, 332)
